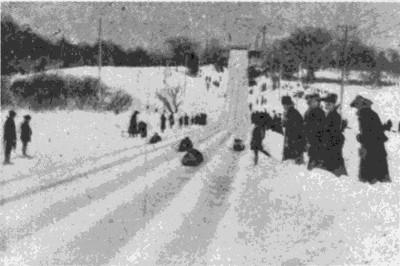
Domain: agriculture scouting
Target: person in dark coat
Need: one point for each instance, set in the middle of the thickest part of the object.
(26, 134)
(256, 142)
(163, 122)
(171, 120)
(180, 121)
(186, 120)
(294, 141)
(9, 136)
(373, 156)
(333, 138)
(133, 130)
(314, 126)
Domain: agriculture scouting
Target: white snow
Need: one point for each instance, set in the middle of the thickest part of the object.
(275, 213)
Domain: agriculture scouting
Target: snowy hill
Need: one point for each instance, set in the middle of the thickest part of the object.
(91, 195)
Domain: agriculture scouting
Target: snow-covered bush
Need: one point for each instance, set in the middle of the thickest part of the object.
(46, 91)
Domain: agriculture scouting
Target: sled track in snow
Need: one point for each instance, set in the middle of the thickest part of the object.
(140, 149)
(215, 130)
(158, 195)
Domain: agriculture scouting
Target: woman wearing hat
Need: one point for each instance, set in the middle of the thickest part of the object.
(373, 156)
(294, 141)
(26, 134)
(333, 138)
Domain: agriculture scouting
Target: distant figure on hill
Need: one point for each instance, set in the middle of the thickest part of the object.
(294, 141)
(333, 138)
(171, 120)
(276, 82)
(180, 121)
(186, 120)
(163, 122)
(142, 129)
(314, 126)
(373, 156)
(133, 130)
(256, 142)
(26, 134)
(9, 136)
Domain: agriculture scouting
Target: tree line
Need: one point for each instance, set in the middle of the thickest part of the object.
(310, 48)
(23, 51)
(314, 48)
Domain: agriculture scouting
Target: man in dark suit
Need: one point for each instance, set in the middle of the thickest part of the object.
(294, 141)
(9, 136)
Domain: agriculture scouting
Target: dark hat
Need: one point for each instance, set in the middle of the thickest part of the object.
(313, 96)
(28, 117)
(12, 113)
(330, 98)
(360, 101)
(286, 100)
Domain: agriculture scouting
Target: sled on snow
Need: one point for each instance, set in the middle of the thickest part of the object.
(238, 145)
(185, 145)
(192, 158)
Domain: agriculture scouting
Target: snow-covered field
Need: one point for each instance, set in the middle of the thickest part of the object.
(90, 195)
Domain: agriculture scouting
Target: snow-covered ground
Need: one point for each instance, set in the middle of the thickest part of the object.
(90, 195)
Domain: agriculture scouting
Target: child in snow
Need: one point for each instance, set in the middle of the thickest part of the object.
(26, 134)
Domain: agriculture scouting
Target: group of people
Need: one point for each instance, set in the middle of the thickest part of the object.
(10, 135)
(320, 134)
(135, 127)
(198, 119)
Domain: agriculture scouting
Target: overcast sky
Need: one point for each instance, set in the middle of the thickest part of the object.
(150, 24)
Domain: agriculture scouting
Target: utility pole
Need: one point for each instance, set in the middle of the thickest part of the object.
(346, 29)
(100, 50)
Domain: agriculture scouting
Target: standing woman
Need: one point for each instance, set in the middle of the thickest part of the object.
(294, 141)
(333, 138)
(256, 141)
(373, 156)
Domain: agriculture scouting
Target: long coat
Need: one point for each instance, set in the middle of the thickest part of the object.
(133, 125)
(9, 137)
(373, 161)
(26, 132)
(10, 134)
(314, 120)
(333, 140)
(163, 122)
(294, 142)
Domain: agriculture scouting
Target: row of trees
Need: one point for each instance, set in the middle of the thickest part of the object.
(311, 48)
(315, 48)
(25, 51)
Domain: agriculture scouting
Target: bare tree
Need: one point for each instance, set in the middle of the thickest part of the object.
(171, 98)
